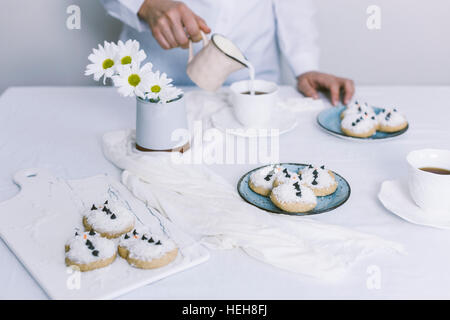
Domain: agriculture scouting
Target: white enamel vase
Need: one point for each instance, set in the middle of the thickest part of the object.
(161, 126)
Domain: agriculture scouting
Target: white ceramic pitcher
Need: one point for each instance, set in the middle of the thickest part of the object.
(211, 66)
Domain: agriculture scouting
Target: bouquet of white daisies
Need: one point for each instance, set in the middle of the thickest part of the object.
(122, 63)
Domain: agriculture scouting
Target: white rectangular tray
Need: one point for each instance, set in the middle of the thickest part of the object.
(37, 222)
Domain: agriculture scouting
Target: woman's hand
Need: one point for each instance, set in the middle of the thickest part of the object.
(338, 88)
(172, 23)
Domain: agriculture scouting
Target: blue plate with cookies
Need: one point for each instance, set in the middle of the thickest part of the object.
(294, 189)
(362, 122)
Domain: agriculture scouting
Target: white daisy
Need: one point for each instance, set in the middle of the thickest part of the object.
(160, 89)
(103, 61)
(170, 93)
(129, 53)
(134, 80)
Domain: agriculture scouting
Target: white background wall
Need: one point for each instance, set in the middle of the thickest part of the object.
(412, 47)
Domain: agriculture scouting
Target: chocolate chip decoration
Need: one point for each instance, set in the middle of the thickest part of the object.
(93, 207)
(106, 202)
(286, 173)
(126, 236)
(135, 232)
(267, 178)
(299, 194)
(322, 167)
(92, 232)
(113, 216)
(151, 240)
(144, 237)
(314, 182)
(95, 253)
(296, 186)
(158, 243)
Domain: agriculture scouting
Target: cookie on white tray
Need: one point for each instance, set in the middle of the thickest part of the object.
(145, 250)
(321, 180)
(89, 251)
(261, 181)
(293, 197)
(111, 220)
(391, 120)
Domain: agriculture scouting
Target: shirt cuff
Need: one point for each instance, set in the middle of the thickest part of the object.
(128, 13)
(304, 62)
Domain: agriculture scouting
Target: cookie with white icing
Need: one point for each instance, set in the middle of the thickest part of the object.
(358, 108)
(261, 181)
(320, 180)
(361, 126)
(146, 251)
(293, 197)
(390, 120)
(111, 220)
(89, 251)
(285, 176)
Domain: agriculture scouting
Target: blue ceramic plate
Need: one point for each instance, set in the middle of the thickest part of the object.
(324, 204)
(330, 121)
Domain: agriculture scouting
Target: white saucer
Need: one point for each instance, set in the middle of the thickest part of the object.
(395, 197)
(282, 121)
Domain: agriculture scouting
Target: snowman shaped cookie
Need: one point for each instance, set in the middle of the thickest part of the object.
(319, 179)
(111, 220)
(89, 251)
(261, 181)
(359, 109)
(391, 120)
(359, 125)
(144, 250)
(285, 176)
(293, 197)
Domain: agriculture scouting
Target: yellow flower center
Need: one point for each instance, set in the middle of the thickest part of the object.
(108, 63)
(134, 80)
(125, 60)
(155, 89)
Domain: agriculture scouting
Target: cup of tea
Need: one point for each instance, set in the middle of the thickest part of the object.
(253, 101)
(429, 180)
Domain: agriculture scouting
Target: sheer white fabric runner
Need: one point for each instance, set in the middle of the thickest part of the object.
(206, 206)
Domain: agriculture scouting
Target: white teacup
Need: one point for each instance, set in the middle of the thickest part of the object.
(430, 191)
(254, 111)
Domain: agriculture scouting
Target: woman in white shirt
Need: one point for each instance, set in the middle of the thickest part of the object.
(262, 29)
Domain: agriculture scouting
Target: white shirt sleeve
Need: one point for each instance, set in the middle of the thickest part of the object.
(297, 34)
(126, 11)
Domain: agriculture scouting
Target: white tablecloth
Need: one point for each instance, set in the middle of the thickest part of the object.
(61, 128)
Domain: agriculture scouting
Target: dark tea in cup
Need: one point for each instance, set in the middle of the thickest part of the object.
(436, 170)
(256, 93)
